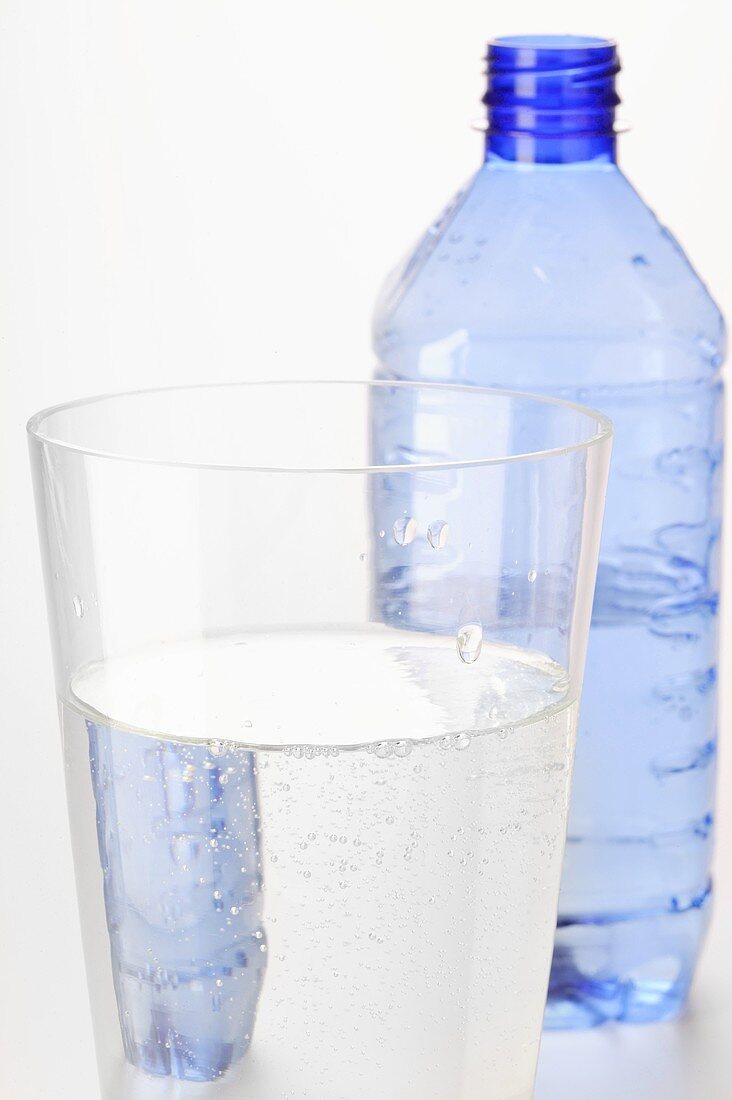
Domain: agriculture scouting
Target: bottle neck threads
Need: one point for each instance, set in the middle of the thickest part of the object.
(551, 99)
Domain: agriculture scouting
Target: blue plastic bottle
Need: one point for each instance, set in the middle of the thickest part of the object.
(549, 273)
(179, 835)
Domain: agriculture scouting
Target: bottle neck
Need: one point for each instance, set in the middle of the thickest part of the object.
(520, 149)
(551, 100)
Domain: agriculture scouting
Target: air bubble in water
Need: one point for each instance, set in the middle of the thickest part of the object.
(382, 750)
(470, 642)
(78, 607)
(532, 576)
(461, 740)
(437, 534)
(403, 748)
(404, 530)
(216, 748)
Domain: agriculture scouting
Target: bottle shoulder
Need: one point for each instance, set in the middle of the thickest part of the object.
(539, 256)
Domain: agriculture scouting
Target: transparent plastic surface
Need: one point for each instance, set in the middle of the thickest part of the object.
(549, 273)
(317, 853)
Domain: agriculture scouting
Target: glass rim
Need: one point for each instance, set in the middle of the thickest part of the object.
(603, 433)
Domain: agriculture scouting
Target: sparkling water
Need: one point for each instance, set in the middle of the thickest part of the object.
(320, 865)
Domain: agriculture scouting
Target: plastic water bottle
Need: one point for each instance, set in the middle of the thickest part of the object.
(549, 273)
(179, 839)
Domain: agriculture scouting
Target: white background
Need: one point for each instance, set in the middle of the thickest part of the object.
(209, 190)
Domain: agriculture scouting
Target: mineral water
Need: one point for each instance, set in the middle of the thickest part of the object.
(320, 865)
(548, 273)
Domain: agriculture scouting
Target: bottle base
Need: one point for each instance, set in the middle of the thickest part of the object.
(590, 1004)
(636, 970)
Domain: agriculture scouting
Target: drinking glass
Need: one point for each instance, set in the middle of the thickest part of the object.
(318, 845)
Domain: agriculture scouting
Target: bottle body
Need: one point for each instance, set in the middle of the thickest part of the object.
(556, 278)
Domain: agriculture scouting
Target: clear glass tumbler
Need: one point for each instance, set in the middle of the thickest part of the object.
(318, 854)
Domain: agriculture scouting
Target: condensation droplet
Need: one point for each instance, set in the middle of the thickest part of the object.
(78, 607)
(470, 642)
(248, 724)
(532, 575)
(362, 557)
(382, 532)
(437, 534)
(404, 530)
